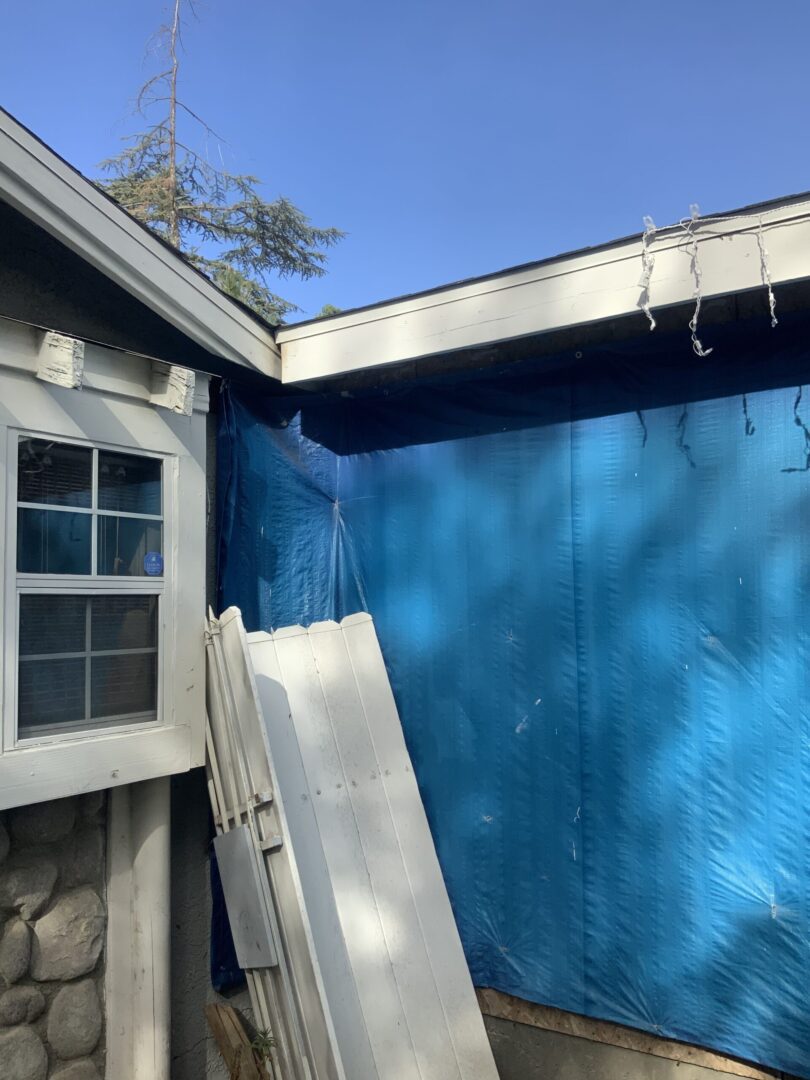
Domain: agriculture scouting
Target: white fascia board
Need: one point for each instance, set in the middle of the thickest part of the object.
(573, 290)
(43, 187)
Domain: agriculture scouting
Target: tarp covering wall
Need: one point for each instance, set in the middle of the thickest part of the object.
(591, 581)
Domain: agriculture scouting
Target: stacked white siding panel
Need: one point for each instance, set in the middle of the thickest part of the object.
(285, 988)
(394, 975)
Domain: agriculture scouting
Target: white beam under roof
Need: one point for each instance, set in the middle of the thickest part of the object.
(584, 287)
(48, 191)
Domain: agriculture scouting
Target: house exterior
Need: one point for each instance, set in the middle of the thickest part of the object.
(112, 351)
(107, 343)
(573, 496)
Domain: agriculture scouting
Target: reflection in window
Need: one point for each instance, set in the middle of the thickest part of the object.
(128, 483)
(123, 622)
(54, 474)
(52, 624)
(53, 542)
(51, 695)
(86, 662)
(122, 685)
(124, 543)
(66, 493)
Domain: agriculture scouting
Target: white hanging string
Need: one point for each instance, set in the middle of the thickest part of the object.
(765, 266)
(652, 232)
(647, 265)
(697, 273)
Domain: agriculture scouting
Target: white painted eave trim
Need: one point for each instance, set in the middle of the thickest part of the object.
(574, 290)
(43, 187)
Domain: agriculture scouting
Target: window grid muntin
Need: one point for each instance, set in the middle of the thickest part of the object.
(89, 510)
(79, 655)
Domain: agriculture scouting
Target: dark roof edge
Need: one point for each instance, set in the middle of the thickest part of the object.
(751, 208)
(151, 232)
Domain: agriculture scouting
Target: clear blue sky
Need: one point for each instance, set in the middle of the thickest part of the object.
(447, 138)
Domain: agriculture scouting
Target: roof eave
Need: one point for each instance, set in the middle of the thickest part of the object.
(43, 187)
(579, 289)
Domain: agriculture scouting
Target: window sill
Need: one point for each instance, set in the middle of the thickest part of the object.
(48, 735)
(35, 773)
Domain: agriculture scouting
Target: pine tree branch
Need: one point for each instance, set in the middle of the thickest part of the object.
(165, 182)
(140, 102)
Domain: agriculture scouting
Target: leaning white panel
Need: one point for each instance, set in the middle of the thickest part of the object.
(285, 985)
(394, 974)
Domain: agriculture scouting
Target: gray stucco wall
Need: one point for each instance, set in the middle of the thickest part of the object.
(194, 1053)
(52, 933)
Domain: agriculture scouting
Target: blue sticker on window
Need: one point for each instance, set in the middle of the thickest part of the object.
(153, 563)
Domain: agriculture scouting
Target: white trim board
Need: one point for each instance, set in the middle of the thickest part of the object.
(45, 189)
(38, 773)
(395, 977)
(578, 289)
(106, 371)
(117, 415)
(137, 977)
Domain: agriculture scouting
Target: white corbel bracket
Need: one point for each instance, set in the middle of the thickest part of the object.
(172, 388)
(60, 360)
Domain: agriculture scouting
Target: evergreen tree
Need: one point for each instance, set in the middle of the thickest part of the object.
(218, 219)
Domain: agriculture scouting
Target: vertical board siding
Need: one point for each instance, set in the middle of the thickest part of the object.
(361, 811)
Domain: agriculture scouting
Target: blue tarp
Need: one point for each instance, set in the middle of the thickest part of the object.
(590, 577)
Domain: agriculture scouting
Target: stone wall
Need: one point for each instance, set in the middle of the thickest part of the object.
(52, 933)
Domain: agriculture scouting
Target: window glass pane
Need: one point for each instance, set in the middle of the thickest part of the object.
(51, 693)
(124, 543)
(122, 685)
(54, 473)
(123, 622)
(128, 483)
(52, 624)
(53, 542)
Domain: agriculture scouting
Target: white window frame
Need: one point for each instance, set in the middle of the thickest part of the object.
(17, 584)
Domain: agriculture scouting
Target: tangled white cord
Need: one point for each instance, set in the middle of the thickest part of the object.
(766, 273)
(688, 225)
(647, 264)
(697, 273)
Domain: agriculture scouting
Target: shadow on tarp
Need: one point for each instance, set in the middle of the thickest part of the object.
(647, 373)
(590, 577)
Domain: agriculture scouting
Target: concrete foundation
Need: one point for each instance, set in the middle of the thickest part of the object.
(194, 1052)
(529, 1053)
